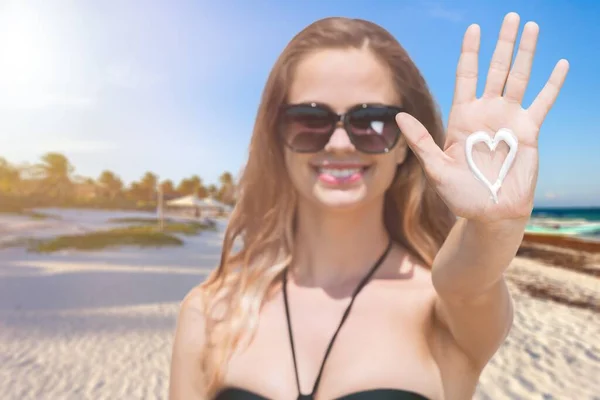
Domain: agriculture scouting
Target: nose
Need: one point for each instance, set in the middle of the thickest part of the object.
(339, 141)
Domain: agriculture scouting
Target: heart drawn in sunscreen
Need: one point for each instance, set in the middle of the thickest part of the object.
(503, 134)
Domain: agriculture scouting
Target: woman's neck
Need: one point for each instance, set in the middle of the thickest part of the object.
(335, 248)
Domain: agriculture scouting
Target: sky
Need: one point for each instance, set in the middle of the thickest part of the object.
(173, 86)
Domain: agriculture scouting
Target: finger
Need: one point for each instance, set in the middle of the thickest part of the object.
(547, 96)
(519, 75)
(421, 143)
(466, 72)
(502, 58)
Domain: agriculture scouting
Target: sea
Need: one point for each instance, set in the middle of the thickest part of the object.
(574, 221)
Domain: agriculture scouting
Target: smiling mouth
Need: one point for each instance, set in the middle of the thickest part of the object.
(340, 175)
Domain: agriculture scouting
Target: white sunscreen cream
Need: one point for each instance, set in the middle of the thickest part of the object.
(503, 134)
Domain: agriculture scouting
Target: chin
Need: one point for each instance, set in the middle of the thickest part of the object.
(341, 200)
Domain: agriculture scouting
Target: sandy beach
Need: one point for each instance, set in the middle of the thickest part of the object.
(99, 325)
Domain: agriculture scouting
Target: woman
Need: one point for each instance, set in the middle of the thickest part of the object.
(355, 280)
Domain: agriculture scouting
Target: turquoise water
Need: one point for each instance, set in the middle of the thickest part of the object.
(580, 222)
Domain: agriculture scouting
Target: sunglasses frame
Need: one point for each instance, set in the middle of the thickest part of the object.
(343, 118)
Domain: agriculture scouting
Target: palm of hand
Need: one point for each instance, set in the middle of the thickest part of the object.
(462, 192)
(499, 107)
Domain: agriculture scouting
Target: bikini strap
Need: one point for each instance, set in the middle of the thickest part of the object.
(358, 289)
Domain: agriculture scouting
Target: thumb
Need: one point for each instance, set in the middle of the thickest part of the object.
(420, 142)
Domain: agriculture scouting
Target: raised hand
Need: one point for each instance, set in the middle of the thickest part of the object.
(498, 108)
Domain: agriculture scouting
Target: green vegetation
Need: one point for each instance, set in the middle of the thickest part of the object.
(138, 235)
(14, 209)
(187, 228)
(38, 215)
(18, 242)
(129, 220)
(101, 240)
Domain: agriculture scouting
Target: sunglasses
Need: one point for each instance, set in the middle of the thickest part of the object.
(307, 128)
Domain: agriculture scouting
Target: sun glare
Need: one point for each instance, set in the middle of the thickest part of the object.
(25, 51)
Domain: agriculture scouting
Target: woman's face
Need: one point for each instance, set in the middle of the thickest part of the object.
(339, 175)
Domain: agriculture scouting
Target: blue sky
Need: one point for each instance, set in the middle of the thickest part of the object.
(173, 86)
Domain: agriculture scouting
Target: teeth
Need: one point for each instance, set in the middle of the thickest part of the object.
(340, 173)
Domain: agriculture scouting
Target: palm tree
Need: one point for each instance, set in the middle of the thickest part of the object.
(135, 191)
(196, 183)
(226, 193)
(111, 184)
(226, 178)
(212, 191)
(55, 172)
(198, 187)
(148, 185)
(185, 187)
(168, 189)
(10, 177)
(192, 185)
(56, 166)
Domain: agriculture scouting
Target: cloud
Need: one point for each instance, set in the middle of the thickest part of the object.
(439, 12)
(551, 195)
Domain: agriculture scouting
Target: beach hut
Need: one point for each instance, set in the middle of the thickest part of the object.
(214, 206)
(193, 205)
(190, 205)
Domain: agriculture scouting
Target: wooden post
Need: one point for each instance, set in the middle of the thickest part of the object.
(161, 222)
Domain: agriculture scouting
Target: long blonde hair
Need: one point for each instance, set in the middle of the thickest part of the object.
(263, 218)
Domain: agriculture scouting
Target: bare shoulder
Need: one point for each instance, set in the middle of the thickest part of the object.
(193, 302)
(190, 319)
(188, 344)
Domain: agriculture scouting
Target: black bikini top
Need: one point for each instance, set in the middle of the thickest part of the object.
(374, 394)
(232, 393)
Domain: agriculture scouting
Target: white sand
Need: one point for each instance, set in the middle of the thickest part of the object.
(99, 325)
(553, 351)
(93, 325)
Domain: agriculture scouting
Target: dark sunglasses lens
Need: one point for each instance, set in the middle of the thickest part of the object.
(374, 129)
(307, 128)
